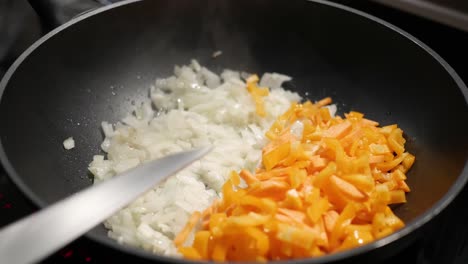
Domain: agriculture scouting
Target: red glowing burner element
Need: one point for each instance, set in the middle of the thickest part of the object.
(68, 254)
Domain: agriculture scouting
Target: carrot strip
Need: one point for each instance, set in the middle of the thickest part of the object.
(376, 159)
(338, 130)
(247, 176)
(190, 253)
(182, 236)
(201, 242)
(324, 101)
(318, 162)
(297, 216)
(329, 219)
(347, 188)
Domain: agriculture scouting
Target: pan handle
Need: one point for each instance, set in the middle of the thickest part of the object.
(54, 13)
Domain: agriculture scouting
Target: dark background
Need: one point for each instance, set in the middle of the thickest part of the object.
(445, 242)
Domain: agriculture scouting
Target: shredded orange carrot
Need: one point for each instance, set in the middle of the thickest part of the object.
(326, 191)
(338, 130)
(182, 236)
(324, 101)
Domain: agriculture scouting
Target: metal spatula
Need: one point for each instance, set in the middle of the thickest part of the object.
(34, 237)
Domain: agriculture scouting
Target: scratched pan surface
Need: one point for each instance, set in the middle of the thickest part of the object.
(97, 66)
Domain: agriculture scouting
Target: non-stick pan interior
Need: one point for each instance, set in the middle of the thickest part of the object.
(100, 67)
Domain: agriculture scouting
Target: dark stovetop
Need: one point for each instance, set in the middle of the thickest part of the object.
(448, 243)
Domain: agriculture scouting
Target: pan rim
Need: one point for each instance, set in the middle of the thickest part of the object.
(412, 226)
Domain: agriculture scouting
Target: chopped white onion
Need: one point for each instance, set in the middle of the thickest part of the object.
(69, 143)
(274, 80)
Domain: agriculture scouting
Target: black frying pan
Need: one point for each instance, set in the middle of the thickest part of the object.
(60, 87)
